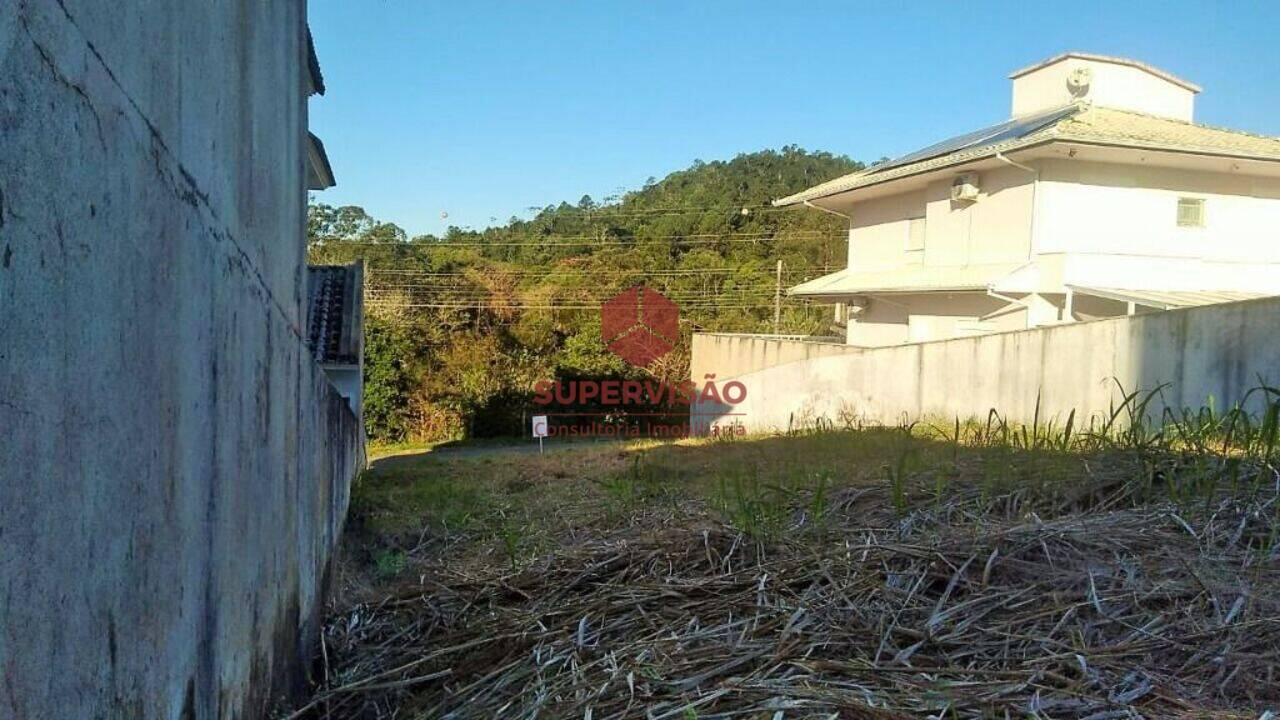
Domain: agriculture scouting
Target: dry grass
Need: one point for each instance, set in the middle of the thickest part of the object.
(861, 573)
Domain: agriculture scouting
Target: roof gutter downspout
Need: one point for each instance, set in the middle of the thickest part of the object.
(829, 211)
(1001, 157)
(809, 204)
(1035, 187)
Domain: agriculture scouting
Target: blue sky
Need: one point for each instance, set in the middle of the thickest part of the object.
(481, 109)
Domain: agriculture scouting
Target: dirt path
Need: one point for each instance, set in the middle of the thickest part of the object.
(515, 447)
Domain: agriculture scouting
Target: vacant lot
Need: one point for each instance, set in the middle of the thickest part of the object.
(966, 571)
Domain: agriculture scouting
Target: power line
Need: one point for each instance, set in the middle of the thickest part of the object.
(595, 302)
(595, 240)
(604, 212)
(452, 291)
(689, 298)
(489, 297)
(713, 289)
(455, 287)
(595, 288)
(476, 306)
(588, 271)
(598, 300)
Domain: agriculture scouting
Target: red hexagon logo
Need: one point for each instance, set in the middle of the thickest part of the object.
(640, 325)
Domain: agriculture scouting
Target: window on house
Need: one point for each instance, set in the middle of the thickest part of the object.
(915, 234)
(1190, 212)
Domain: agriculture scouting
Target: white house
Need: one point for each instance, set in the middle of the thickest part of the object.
(1098, 197)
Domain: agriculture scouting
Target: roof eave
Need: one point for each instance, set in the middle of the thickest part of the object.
(803, 197)
(321, 175)
(313, 67)
(836, 295)
(1163, 147)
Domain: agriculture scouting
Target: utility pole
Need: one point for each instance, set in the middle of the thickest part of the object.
(777, 301)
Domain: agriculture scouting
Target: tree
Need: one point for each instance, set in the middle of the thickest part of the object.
(388, 380)
(349, 223)
(459, 328)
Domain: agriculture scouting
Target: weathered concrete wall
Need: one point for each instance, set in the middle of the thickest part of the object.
(1218, 351)
(174, 469)
(728, 355)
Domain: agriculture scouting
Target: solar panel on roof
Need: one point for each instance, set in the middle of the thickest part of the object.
(1029, 125)
(1007, 130)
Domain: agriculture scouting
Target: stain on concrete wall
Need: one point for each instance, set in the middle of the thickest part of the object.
(174, 469)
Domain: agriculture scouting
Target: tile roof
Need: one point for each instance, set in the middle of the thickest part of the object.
(313, 65)
(319, 170)
(1131, 129)
(1086, 124)
(335, 324)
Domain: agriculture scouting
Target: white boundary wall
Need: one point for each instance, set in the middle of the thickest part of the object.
(728, 355)
(1218, 352)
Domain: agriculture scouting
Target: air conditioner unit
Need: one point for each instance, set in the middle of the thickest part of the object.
(965, 187)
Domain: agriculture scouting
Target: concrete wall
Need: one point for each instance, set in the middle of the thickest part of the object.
(879, 230)
(175, 467)
(1113, 85)
(1117, 226)
(728, 355)
(1217, 351)
(995, 229)
(348, 380)
(894, 319)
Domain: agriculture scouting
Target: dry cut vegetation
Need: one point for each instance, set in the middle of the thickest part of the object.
(976, 570)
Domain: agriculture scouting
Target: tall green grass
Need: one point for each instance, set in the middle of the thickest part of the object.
(1141, 450)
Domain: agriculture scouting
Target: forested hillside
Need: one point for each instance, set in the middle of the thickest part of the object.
(460, 327)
